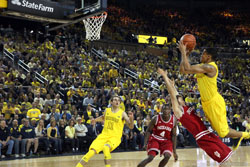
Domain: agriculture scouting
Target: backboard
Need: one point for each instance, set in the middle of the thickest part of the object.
(57, 13)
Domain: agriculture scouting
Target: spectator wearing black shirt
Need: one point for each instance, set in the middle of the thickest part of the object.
(139, 132)
(42, 135)
(5, 139)
(53, 138)
(88, 113)
(16, 137)
(91, 130)
(61, 129)
(29, 136)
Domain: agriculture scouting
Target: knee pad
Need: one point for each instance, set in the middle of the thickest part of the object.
(106, 152)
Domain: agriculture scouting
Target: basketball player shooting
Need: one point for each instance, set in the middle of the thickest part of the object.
(110, 138)
(163, 137)
(206, 140)
(213, 103)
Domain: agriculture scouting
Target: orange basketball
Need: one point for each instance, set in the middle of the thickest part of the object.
(189, 40)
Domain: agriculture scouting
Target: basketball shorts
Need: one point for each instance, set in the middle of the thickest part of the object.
(156, 146)
(215, 111)
(214, 147)
(101, 140)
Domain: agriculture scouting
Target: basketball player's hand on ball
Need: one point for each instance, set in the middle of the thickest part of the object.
(182, 48)
(175, 157)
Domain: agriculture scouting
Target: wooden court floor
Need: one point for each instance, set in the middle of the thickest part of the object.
(187, 158)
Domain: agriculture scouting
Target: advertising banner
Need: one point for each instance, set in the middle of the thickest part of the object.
(40, 8)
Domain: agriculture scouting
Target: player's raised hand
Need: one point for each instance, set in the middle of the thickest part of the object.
(162, 72)
(182, 48)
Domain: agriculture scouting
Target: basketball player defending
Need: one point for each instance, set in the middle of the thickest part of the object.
(163, 137)
(110, 138)
(213, 103)
(206, 140)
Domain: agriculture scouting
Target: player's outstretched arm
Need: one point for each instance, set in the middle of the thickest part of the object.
(172, 91)
(187, 68)
(149, 131)
(129, 119)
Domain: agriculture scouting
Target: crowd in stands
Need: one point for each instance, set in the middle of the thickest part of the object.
(42, 118)
(211, 27)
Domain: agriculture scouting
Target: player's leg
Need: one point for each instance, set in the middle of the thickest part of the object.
(107, 155)
(108, 147)
(215, 148)
(95, 148)
(166, 149)
(86, 158)
(153, 149)
(215, 111)
(164, 161)
(151, 156)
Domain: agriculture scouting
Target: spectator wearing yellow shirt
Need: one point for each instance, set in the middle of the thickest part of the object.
(35, 83)
(141, 104)
(134, 100)
(8, 110)
(86, 83)
(71, 92)
(9, 82)
(237, 115)
(157, 107)
(26, 105)
(161, 100)
(189, 99)
(70, 136)
(81, 92)
(113, 73)
(33, 112)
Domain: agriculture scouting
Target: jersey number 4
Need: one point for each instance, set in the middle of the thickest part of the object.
(162, 134)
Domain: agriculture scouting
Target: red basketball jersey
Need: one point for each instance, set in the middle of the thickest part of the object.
(192, 122)
(162, 130)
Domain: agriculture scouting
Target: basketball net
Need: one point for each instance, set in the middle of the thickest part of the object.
(93, 26)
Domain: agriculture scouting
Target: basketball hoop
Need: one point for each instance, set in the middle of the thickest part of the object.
(93, 26)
